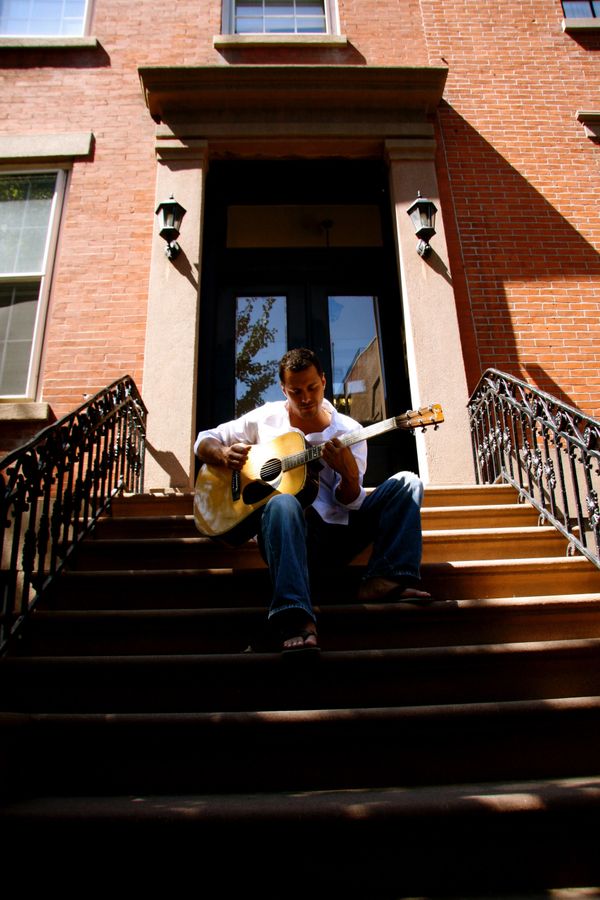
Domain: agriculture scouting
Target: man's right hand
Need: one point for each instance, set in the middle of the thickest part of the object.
(215, 453)
(236, 455)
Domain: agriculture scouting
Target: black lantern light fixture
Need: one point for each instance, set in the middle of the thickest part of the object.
(422, 213)
(170, 214)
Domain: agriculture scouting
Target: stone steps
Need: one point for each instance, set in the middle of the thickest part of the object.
(446, 749)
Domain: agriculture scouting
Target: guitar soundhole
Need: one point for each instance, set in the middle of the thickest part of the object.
(256, 491)
(271, 470)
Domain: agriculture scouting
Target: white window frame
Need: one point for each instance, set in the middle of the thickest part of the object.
(87, 18)
(332, 22)
(43, 277)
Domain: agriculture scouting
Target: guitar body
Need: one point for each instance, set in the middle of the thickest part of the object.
(228, 507)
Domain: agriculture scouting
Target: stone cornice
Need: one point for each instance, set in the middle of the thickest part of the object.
(274, 92)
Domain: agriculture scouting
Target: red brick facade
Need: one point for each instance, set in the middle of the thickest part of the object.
(519, 178)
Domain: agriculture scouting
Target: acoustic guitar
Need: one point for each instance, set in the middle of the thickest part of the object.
(227, 504)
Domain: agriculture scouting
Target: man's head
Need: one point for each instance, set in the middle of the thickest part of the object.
(303, 383)
(297, 360)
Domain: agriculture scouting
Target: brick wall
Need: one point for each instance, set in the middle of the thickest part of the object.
(522, 189)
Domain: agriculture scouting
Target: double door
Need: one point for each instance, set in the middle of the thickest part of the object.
(301, 255)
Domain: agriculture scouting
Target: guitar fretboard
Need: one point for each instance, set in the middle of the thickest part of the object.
(310, 454)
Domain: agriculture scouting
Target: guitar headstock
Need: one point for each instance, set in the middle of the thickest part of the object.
(422, 417)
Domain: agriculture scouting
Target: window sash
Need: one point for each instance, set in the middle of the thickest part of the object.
(20, 330)
(44, 18)
(581, 9)
(279, 17)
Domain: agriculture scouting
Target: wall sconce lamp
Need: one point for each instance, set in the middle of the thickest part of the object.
(422, 214)
(170, 214)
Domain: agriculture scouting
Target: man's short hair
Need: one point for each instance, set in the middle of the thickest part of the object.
(297, 360)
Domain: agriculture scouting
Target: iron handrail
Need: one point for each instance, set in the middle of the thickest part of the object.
(549, 451)
(53, 488)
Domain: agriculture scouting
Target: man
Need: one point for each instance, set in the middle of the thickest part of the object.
(342, 520)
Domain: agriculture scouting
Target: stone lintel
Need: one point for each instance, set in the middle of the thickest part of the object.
(46, 147)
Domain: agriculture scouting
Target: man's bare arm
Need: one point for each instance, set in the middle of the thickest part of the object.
(215, 453)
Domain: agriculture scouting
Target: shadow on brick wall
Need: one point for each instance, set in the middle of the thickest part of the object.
(528, 291)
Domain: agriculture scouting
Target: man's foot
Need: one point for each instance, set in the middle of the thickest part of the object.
(304, 640)
(384, 590)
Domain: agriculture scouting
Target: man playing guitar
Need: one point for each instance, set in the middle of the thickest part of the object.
(343, 518)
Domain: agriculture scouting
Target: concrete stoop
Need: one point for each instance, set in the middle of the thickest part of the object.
(450, 749)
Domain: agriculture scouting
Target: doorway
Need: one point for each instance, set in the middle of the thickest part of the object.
(300, 253)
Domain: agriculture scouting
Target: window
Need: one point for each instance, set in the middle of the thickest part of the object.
(278, 17)
(28, 221)
(588, 9)
(43, 17)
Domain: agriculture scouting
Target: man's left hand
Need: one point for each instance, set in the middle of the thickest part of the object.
(340, 459)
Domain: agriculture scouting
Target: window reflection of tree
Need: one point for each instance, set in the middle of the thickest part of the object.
(253, 334)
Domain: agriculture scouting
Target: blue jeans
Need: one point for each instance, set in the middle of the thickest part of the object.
(294, 543)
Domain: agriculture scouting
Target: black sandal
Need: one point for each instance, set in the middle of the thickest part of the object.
(303, 648)
(292, 628)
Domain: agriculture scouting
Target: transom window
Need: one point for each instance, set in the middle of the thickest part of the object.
(280, 17)
(43, 17)
(581, 9)
(28, 204)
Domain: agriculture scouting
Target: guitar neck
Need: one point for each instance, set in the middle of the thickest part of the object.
(310, 454)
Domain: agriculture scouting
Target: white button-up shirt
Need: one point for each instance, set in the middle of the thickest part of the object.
(271, 420)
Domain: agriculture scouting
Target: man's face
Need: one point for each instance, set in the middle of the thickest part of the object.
(305, 391)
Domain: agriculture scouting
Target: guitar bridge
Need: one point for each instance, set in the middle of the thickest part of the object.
(236, 485)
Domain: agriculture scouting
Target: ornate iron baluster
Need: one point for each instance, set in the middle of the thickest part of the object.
(556, 453)
(55, 487)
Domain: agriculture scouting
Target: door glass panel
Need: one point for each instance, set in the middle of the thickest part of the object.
(260, 342)
(356, 362)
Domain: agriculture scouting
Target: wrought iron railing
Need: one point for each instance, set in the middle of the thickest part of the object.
(55, 487)
(548, 450)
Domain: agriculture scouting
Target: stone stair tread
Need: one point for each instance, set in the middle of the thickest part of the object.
(567, 645)
(193, 752)
(284, 717)
(397, 841)
(181, 503)
(562, 601)
(216, 585)
(185, 521)
(518, 797)
(228, 681)
(106, 543)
